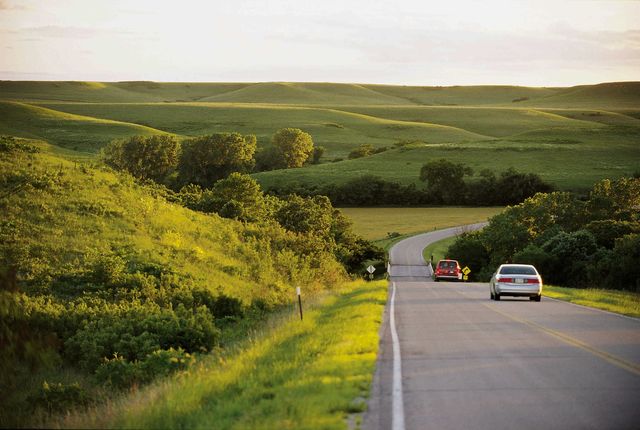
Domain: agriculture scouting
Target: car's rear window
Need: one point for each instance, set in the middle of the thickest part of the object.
(444, 264)
(518, 270)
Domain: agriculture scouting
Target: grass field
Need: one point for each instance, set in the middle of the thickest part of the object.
(376, 223)
(621, 302)
(314, 374)
(572, 137)
(439, 250)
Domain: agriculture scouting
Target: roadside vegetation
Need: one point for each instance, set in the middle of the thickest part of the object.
(621, 302)
(108, 283)
(592, 243)
(313, 374)
(439, 250)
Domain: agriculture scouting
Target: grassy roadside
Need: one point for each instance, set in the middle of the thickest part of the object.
(620, 302)
(438, 249)
(310, 374)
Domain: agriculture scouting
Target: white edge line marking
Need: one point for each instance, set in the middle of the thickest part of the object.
(397, 409)
(590, 308)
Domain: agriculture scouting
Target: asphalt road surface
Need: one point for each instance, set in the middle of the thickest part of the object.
(466, 362)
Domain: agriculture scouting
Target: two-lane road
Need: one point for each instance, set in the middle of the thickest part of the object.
(469, 362)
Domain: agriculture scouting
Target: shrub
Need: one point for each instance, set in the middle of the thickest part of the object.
(135, 330)
(58, 397)
(470, 251)
(119, 373)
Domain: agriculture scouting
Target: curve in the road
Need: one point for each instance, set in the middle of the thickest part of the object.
(468, 362)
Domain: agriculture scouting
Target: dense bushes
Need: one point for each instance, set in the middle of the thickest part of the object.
(592, 243)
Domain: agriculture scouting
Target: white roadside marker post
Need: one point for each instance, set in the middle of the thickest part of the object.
(299, 301)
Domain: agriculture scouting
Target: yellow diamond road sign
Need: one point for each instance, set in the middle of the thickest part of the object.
(466, 270)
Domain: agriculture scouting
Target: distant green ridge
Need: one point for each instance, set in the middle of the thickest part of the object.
(78, 132)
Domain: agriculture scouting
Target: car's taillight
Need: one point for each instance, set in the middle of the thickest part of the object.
(532, 281)
(501, 279)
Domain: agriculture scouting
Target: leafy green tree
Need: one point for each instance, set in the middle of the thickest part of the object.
(514, 187)
(307, 215)
(145, 157)
(469, 250)
(292, 147)
(206, 159)
(621, 269)
(570, 255)
(239, 197)
(607, 231)
(619, 200)
(445, 180)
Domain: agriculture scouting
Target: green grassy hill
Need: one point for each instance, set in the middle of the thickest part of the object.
(569, 158)
(488, 121)
(105, 92)
(463, 95)
(89, 246)
(307, 94)
(82, 133)
(571, 136)
(339, 131)
(608, 96)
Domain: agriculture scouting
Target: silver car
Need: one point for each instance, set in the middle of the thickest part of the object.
(516, 280)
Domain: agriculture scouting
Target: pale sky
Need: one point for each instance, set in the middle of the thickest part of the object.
(412, 42)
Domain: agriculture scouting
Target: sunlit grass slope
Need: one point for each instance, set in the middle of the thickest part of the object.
(496, 122)
(609, 96)
(307, 93)
(81, 213)
(569, 158)
(83, 133)
(309, 374)
(463, 95)
(338, 131)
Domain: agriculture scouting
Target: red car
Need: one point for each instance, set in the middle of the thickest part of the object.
(448, 270)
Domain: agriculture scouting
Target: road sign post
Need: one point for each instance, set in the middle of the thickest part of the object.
(466, 272)
(371, 269)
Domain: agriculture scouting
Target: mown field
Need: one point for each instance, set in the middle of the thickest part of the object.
(377, 223)
(572, 137)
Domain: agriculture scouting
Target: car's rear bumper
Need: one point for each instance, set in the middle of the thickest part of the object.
(449, 277)
(518, 290)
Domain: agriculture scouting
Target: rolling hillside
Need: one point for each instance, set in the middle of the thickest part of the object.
(82, 133)
(339, 131)
(571, 136)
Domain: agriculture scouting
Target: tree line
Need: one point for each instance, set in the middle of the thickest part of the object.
(590, 243)
(203, 160)
(445, 184)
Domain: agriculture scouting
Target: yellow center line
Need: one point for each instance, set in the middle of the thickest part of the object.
(610, 358)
